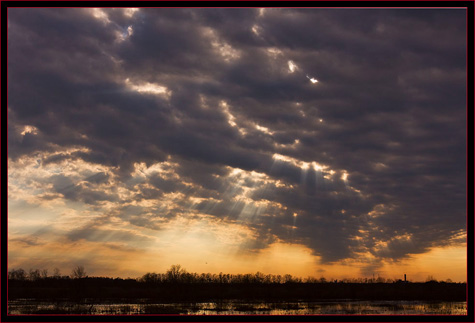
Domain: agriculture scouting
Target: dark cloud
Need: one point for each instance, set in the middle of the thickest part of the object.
(389, 111)
(101, 235)
(28, 241)
(85, 192)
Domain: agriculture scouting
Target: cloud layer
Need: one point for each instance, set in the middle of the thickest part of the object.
(150, 115)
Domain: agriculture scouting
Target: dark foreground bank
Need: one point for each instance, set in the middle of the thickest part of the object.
(107, 288)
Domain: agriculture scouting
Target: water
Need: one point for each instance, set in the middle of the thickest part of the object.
(235, 307)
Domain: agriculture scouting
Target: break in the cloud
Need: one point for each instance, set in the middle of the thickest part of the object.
(339, 130)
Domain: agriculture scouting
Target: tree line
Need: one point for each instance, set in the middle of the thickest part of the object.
(37, 274)
(177, 274)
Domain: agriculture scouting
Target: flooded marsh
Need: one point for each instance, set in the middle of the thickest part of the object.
(235, 307)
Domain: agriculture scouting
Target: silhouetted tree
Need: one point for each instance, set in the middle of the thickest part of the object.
(56, 273)
(78, 272)
(174, 273)
(431, 279)
(44, 273)
(288, 278)
(17, 274)
(34, 274)
(150, 278)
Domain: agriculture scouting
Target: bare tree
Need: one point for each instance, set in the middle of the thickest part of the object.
(56, 273)
(175, 272)
(430, 278)
(18, 274)
(78, 272)
(34, 274)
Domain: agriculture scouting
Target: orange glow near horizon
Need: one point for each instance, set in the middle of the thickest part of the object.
(202, 257)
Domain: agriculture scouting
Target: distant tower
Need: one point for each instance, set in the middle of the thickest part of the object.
(405, 277)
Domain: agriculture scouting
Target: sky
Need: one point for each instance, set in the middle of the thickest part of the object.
(316, 142)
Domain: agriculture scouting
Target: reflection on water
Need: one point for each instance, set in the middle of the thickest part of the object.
(28, 306)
